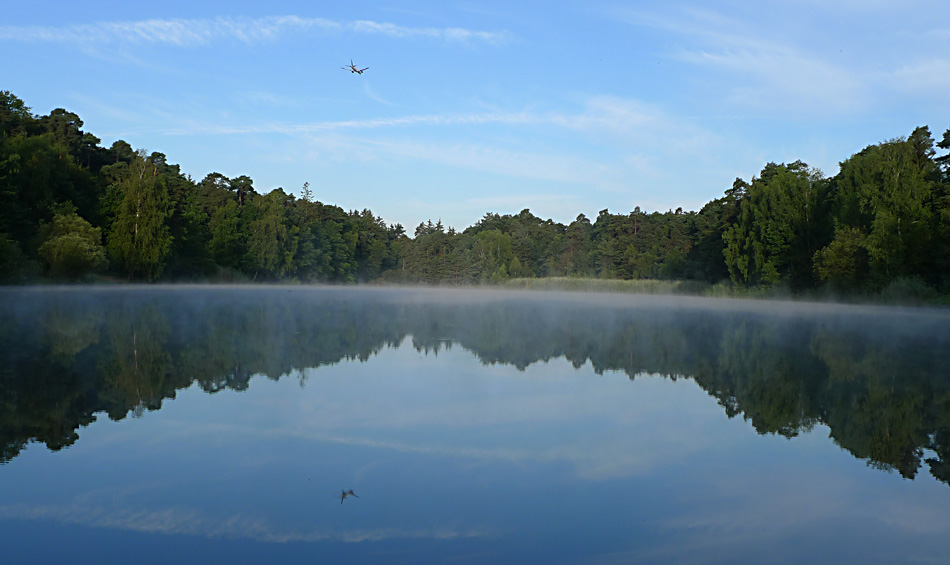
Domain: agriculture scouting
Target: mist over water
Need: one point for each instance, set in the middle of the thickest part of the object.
(473, 424)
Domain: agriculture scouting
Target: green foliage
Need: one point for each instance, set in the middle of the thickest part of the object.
(242, 187)
(71, 246)
(641, 286)
(373, 253)
(15, 266)
(779, 227)
(228, 238)
(843, 263)
(139, 239)
(36, 174)
(571, 253)
(907, 291)
(63, 127)
(641, 245)
(493, 256)
(15, 116)
(889, 192)
(884, 217)
(190, 229)
(271, 243)
(705, 259)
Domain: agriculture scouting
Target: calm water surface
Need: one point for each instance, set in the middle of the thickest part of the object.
(221, 424)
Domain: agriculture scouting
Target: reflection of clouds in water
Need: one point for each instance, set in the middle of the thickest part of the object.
(913, 517)
(591, 462)
(767, 509)
(192, 522)
(546, 414)
(764, 506)
(426, 433)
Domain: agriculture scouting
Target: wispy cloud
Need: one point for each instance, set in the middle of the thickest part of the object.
(550, 166)
(930, 77)
(635, 124)
(194, 32)
(445, 34)
(618, 141)
(366, 124)
(781, 76)
(603, 118)
(765, 71)
(180, 32)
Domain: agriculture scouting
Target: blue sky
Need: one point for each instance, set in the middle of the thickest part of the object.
(473, 107)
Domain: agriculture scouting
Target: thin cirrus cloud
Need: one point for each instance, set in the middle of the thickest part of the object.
(445, 34)
(764, 71)
(615, 134)
(375, 123)
(553, 167)
(195, 32)
(778, 76)
(621, 122)
(927, 77)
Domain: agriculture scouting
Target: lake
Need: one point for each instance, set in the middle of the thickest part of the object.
(223, 424)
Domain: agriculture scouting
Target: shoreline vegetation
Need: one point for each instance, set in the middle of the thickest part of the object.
(72, 211)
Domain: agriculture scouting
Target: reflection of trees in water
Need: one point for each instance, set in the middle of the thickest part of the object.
(134, 366)
(886, 397)
(761, 374)
(880, 386)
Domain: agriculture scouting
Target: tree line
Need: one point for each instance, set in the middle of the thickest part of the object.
(70, 208)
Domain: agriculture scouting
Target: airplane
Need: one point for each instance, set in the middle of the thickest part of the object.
(350, 492)
(352, 68)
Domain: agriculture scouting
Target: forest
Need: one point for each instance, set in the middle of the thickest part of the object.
(72, 210)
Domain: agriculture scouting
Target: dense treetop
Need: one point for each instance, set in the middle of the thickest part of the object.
(70, 209)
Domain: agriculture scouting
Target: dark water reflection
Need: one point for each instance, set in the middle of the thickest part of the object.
(474, 424)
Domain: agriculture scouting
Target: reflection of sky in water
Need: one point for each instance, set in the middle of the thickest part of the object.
(455, 460)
